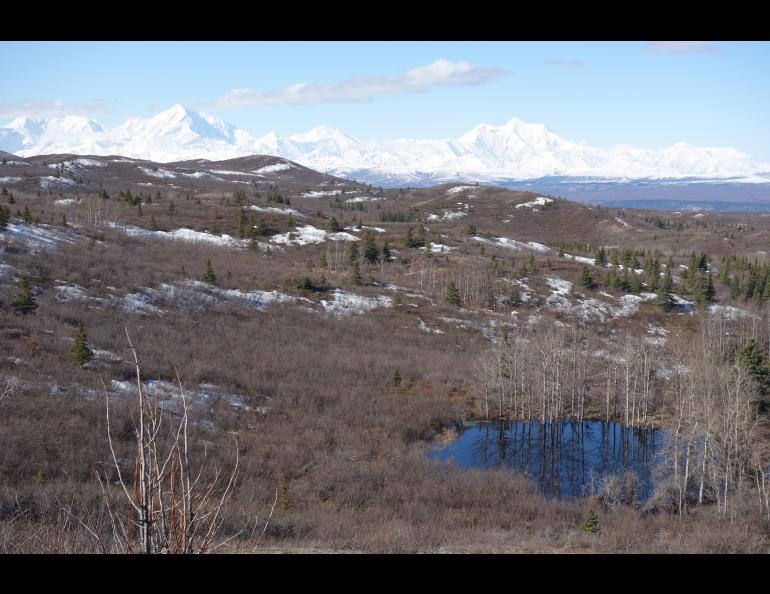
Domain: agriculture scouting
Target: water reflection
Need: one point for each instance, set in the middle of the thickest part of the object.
(567, 459)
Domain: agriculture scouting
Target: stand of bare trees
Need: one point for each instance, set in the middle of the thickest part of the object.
(548, 372)
(716, 455)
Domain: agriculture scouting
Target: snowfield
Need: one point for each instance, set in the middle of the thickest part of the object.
(9, 180)
(458, 189)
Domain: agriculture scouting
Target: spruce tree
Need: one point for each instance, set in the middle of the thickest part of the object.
(79, 352)
(25, 299)
(352, 253)
(585, 278)
(333, 226)
(209, 275)
(409, 239)
(601, 257)
(395, 379)
(590, 524)
(11, 199)
(397, 300)
(451, 294)
(385, 252)
(664, 297)
(750, 357)
(5, 216)
(371, 253)
(355, 274)
(635, 285)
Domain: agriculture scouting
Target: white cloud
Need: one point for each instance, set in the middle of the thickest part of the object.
(46, 108)
(682, 47)
(363, 88)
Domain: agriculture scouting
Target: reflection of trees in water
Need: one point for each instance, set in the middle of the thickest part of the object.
(570, 458)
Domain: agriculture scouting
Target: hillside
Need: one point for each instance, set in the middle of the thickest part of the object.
(240, 276)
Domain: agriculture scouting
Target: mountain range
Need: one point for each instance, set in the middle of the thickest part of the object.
(512, 152)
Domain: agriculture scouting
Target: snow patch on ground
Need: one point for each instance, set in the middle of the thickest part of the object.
(228, 172)
(65, 201)
(182, 235)
(438, 248)
(363, 199)
(320, 193)
(286, 211)
(36, 237)
(458, 189)
(310, 235)
(274, 168)
(365, 228)
(160, 173)
(447, 216)
(539, 201)
(530, 246)
(9, 180)
(50, 181)
(346, 304)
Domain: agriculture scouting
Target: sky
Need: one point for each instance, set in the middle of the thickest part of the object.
(645, 94)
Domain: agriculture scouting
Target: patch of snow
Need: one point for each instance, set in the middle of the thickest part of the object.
(447, 216)
(274, 168)
(161, 173)
(286, 211)
(52, 181)
(365, 228)
(310, 235)
(622, 222)
(530, 246)
(363, 199)
(65, 201)
(9, 180)
(458, 189)
(70, 292)
(581, 259)
(228, 172)
(539, 201)
(346, 304)
(320, 193)
(438, 248)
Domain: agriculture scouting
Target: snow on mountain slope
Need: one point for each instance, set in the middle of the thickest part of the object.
(516, 150)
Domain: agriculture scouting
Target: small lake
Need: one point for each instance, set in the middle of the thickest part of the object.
(566, 459)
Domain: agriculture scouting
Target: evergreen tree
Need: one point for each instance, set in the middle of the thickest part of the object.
(333, 226)
(624, 283)
(11, 199)
(25, 299)
(409, 239)
(323, 262)
(27, 216)
(4, 191)
(241, 223)
(105, 195)
(612, 279)
(170, 209)
(451, 294)
(635, 285)
(750, 357)
(532, 263)
(371, 253)
(664, 297)
(352, 252)
(397, 300)
(395, 379)
(79, 352)
(5, 216)
(355, 274)
(585, 279)
(386, 252)
(209, 275)
(590, 523)
(601, 257)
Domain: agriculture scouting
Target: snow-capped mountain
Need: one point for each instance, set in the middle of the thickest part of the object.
(514, 151)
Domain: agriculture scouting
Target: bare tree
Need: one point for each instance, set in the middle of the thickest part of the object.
(171, 507)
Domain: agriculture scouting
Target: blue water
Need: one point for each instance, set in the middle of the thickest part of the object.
(566, 459)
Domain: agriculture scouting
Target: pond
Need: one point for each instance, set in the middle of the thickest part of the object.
(567, 459)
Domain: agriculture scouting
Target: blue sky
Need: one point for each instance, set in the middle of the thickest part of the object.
(648, 95)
